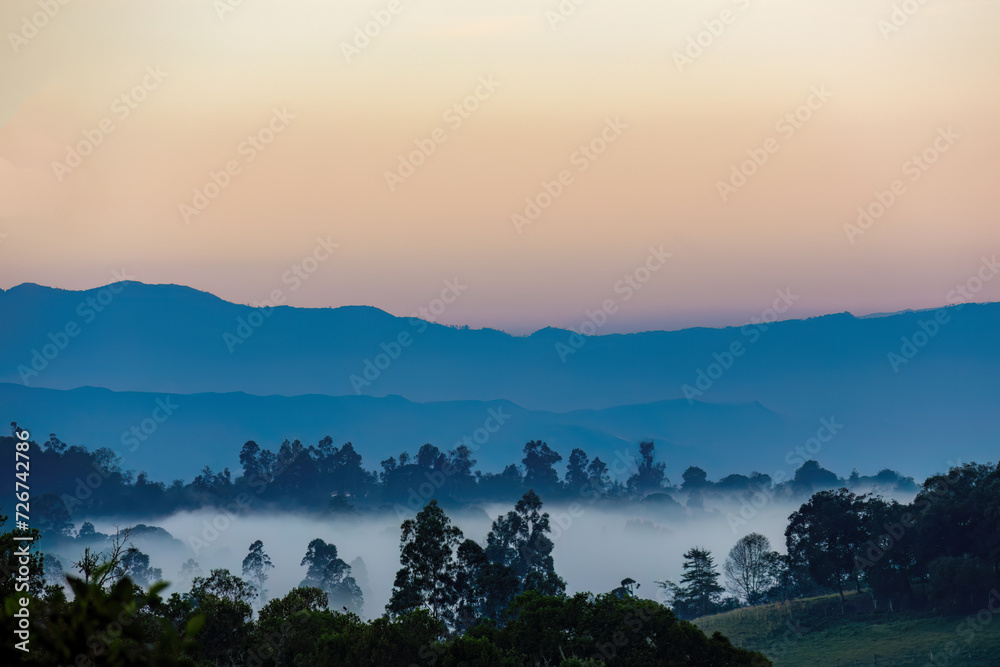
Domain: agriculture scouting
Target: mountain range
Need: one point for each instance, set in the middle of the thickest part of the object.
(913, 390)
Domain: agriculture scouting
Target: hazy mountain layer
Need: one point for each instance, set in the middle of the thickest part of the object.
(911, 386)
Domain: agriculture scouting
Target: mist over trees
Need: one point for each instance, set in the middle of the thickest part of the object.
(502, 598)
(454, 602)
(73, 484)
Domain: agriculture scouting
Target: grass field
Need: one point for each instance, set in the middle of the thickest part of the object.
(814, 632)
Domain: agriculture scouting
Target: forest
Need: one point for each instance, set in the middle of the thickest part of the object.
(458, 601)
(73, 482)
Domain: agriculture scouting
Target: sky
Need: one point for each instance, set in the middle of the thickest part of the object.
(729, 144)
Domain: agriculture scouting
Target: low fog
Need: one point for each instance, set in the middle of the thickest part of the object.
(595, 547)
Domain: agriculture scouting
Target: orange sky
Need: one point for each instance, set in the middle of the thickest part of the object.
(347, 115)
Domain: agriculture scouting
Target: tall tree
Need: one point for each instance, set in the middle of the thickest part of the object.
(825, 535)
(538, 471)
(250, 460)
(650, 475)
(597, 474)
(255, 567)
(576, 471)
(749, 570)
(135, 565)
(699, 593)
(226, 602)
(461, 480)
(812, 477)
(695, 478)
(430, 457)
(520, 542)
(427, 578)
(329, 573)
(348, 476)
(189, 570)
(701, 581)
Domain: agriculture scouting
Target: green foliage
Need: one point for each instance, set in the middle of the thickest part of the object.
(328, 572)
(616, 631)
(224, 601)
(538, 471)
(427, 578)
(699, 592)
(813, 631)
(116, 627)
(826, 534)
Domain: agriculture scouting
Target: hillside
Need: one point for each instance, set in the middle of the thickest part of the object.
(812, 632)
(132, 337)
(210, 429)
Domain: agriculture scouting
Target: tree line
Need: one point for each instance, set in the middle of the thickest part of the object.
(939, 552)
(454, 602)
(72, 482)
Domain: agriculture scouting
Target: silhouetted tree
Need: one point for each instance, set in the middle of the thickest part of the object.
(427, 578)
(748, 568)
(576, 472)
(650, 475)
(825, 534)
(327, 572)
(255, 567)
(699, 593)
(538, 471)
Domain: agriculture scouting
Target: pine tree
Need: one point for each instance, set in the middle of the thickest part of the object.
(701, 581)
(699, 593)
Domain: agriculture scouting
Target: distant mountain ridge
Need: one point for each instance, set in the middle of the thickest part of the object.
(933, 399)
(174, 436)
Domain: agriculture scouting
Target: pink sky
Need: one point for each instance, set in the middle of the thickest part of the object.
(343, 122)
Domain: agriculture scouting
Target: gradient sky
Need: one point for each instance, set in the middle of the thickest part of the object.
(323, 176)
